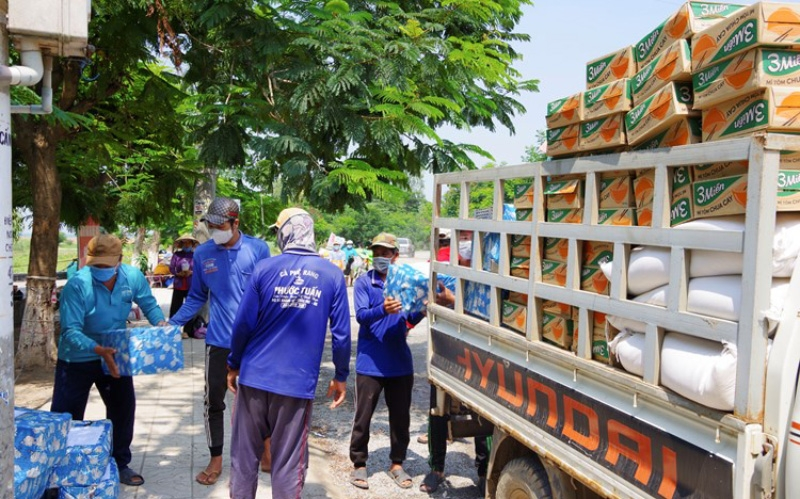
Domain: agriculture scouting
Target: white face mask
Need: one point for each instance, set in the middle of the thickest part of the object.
(221, 236)
(465, 249)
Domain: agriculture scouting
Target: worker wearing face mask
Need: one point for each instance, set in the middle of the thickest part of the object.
(222, 267)
(97, 299)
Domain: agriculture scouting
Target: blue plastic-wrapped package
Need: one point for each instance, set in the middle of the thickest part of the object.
(145, 350)
(407, 284)
(105, 488)
(40, 437)
(477, 299)
(30, 479)
(87, 457)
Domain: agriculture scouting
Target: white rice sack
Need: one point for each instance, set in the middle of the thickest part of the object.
(656, 296)
(721, 297)
(785, 246)
(628, 347)
(648, 268)
(701, 370)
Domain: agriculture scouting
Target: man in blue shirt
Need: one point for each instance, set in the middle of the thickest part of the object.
(222, 267)
(383, 363)
(350, 255)
(276, 349)
(98, 298)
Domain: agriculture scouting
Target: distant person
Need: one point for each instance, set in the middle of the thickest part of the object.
(96, 300)
(223, 266)
(443, 253)
(181, 266)
(383, 364)
(337, 256)
(290, 301)
(350, 255)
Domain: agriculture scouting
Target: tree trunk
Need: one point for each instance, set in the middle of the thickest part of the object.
(204, 191)
(37, 336)
(138, 248)
(152, 249)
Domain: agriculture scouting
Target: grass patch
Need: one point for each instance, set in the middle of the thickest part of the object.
(67, 250)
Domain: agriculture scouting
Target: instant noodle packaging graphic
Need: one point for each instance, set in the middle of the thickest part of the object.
(681, 209)
(691, 18)
(681, 133)
(565, 216)
(563, 141)
(763, 23)
(523, 195)
(603, 133)
(772, 109)
(565, 111)
(616, 192)
(521, 245)
(563, 194)
(614, 66)
(557, 329)
(744, 74)
(593, 279)
(675, 64)
(515, 316)
(643, 189)
(609, 99)
(596, 252)
(556, 248)
(554, 273)
(659, 111)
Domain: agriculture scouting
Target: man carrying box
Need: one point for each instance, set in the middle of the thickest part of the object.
(98, 298)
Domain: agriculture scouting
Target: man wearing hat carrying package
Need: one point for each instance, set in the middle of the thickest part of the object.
(96, 299)
(383, 364)
(222, 267)
(276, 349)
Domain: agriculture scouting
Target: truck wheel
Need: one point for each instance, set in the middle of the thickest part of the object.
(523, 478)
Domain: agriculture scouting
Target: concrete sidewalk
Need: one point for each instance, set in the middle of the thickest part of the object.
(169, 445)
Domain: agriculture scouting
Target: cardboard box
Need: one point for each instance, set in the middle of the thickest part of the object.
(603, 133)
(606, 100)
(563, 194)
(600, 345)
(523, 195)
(644, 216)
(524, 214)
(593, 279)
(614, 66)
(616, 192)
(674, 64)
(556, 249)
(521, 267)
(644, 189)
(563, 140)
(691, 18)
(557, 308)
(617, 216)
(659, 111)
(515, 316)
(718, 170)
(681, 177)
(566, 111)
(565, 216)
(557, 329)
(597, 252)
(520, 298)
(788, 201)
(744, 74)
(681, 133)
(721, 196)
(763, 23)
(599, 321)
(790, 160)
(681, 207)
(554, 273)
(773, 109)
(520, 245)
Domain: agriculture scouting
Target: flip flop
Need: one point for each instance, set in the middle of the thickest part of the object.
(431, 482)
(207, 477)
(400, 477)
(130, 477)
(358, 477)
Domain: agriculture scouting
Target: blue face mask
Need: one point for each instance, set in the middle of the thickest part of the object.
(381, 264)
(102, 275)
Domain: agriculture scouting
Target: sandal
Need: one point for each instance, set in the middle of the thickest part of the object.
(358, 477)
(130, 477)
(431, 482)
(401, 478)
(207, 477)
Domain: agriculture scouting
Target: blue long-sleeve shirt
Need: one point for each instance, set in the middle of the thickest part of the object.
(223, 274)
(382, 348)
(88, 309)
(280, 328)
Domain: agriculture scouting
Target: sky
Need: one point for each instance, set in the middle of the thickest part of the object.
(565, 35)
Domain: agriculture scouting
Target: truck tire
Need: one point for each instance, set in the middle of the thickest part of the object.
(523, 478)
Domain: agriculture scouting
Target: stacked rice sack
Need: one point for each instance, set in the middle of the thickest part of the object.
(714, 290)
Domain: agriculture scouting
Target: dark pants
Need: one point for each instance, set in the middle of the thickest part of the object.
(73, 382)
(214, 400)
(178, 297)
(258, 414)
(437, 442)
(397, 393)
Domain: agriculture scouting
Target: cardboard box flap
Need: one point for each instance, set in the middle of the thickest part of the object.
(610, 94)
(562, 187)
(614, 66)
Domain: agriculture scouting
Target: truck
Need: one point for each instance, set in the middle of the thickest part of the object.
(565, 425)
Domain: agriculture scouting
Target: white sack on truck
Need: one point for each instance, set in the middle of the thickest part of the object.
(627, 347)
(648, 268)
(718, 296)
(701, 370)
